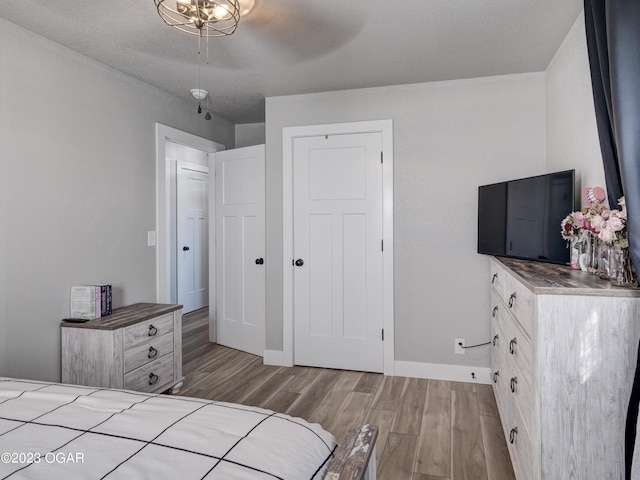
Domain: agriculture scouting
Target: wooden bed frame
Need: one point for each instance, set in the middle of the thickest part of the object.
(355, 458)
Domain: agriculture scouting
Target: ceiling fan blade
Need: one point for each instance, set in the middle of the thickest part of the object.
(303, 34)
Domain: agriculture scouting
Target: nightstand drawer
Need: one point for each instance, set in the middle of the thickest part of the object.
(150, 376)
(144, 331)
(147, 352)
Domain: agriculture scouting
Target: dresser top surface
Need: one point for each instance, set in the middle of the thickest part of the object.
(552, 279)
(125, 316)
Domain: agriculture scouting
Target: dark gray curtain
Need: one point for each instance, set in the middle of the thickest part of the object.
(613, 41)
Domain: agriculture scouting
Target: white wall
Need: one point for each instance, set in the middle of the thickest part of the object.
(449, 138)
(249, 134)
(572, 136)
(77, 189)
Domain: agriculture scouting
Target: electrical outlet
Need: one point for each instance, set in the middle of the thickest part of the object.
(459, 346)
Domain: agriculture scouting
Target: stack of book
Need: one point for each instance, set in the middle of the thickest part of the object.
(90, 301)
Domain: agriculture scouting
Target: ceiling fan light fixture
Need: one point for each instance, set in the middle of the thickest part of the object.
(205, 18)
(220, 12)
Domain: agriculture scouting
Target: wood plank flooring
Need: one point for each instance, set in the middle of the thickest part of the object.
(429, 429)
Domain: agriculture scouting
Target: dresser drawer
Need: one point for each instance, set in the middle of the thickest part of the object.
(515, 428)
(509, 338)
(143, 331)
(147, 352)
(517, 346)
(521, 303)
(150, 376)
(512, 354)
(522, 396)
(521, 451)
(498, 276)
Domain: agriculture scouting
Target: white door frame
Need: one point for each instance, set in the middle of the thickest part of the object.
(289, 134)
(165, 234)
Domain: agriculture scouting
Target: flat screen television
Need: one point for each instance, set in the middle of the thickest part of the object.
(521, 218)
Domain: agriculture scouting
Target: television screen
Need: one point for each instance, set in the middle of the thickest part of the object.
(521, 218)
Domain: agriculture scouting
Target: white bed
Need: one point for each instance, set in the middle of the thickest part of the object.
(52, 431)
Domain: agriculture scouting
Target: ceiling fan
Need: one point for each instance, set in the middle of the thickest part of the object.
(205, 18)
(301, 29)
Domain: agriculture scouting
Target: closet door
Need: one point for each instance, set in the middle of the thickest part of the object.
(337, 242)
(240, 248)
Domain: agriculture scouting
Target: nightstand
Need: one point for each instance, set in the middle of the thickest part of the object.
(137, 347)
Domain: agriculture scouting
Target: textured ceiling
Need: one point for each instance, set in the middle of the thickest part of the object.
(285, 47)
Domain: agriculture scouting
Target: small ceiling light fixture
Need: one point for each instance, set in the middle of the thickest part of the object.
(200, 94)
(205, 18)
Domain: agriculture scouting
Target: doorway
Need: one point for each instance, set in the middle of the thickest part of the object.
(166, 213)
(192, 190)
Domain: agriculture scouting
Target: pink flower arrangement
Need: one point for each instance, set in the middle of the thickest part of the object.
(609, 225)
(612, 225)
(574, 226)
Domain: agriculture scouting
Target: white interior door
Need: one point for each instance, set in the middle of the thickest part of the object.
(337, 244)
(240, 248)
(192, 245)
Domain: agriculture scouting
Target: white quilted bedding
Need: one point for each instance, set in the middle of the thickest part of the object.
(55, 431)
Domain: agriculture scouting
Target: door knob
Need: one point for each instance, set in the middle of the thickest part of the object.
(259, 261)
(299, 262)
(185, 248)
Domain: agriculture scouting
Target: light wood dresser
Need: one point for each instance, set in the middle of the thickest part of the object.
(563, 358)
(138, 347)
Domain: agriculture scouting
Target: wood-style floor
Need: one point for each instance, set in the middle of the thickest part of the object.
(428, 429)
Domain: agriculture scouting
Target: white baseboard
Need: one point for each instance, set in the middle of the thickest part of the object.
(276, 358)
(452, 373)
(434, 371)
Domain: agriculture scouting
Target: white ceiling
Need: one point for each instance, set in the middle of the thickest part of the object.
(285, 47)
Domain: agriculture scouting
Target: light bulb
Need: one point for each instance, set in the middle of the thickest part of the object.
(220, 12)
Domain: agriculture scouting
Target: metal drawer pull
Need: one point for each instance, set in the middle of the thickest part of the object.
(495, 339)
(494, 312)
(512, 346)
(512, 299)
(512, 434)
(495, 376)
(152, 330)
(153, 378)
(514, 382)
(493, 279)
(152, 352)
